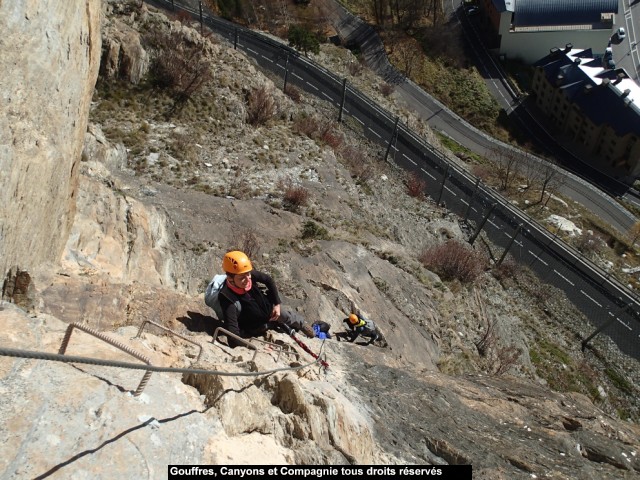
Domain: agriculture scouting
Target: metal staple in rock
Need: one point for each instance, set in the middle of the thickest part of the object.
(250, 345)
(173, 333)
(110, 341)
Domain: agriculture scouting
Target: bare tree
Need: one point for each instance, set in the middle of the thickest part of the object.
(589, 243)
(550, 178)
(284, 12)
(436, 11)
(398, 12)
(634, 233)
(253, 18)
(404, 13)
(505, 358)
(500, 358)
(178, 65)
(250, 242)
(409, 55)
(530, 170)
(261, 106)
(379, 10)
(506, 162)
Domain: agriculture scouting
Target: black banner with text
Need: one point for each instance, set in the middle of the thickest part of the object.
(458, 472)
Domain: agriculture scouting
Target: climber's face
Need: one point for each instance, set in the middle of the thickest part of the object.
(241, 280)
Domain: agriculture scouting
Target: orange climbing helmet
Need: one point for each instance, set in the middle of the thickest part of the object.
(353, 319)
(236, 262)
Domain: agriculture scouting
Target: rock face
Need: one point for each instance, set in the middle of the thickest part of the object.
(144, 243)
(92, 426)
(123, 56)
(50, 59)
(525, 430)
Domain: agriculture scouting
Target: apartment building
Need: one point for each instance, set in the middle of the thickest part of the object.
(595, 107)
(527, 29)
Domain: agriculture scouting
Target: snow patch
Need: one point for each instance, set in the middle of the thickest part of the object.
(565, 225)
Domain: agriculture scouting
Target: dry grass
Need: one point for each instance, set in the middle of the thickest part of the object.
(454, 260)
(319, 129)
(416, 185)
(359, 166)
(248, 242)
(294, 196)
(177, 65)
(294, 93)
(386, 89)
(261, 106)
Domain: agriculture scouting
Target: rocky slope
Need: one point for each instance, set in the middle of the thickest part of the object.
(164, 192)
(44, 117)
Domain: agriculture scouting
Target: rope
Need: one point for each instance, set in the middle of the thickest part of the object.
(308, 350)
(11, 352)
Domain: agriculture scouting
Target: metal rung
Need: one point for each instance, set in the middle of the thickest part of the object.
(278, 347)
(248, 344)
(110, 341)
(240, 339)
(172, 332)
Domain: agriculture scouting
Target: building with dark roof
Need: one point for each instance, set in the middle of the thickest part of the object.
(595, 107)
(527, 29)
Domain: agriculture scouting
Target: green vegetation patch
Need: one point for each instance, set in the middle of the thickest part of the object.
(619, 381)
(461, 89)
(311, 230)
(561, 371)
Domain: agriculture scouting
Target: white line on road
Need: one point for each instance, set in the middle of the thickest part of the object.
(411, 160)
(565, 278)
(538, 258)
(427, 173)
(372, 131)
(626, 325)
(313, 86)
(590, 297)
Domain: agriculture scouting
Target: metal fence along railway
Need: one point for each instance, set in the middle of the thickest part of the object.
(609, 305)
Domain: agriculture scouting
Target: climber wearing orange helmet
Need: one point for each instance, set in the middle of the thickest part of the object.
(357, 324)
(247, 310)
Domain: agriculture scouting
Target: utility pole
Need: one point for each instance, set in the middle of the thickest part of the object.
(479, 229)
(286, 74)
(393, 135)
(506, 250)
(444, 180)
(475, 189)
(604, 325)
(344, 96)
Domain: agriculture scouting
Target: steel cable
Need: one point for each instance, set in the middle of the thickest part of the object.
(11, 352)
